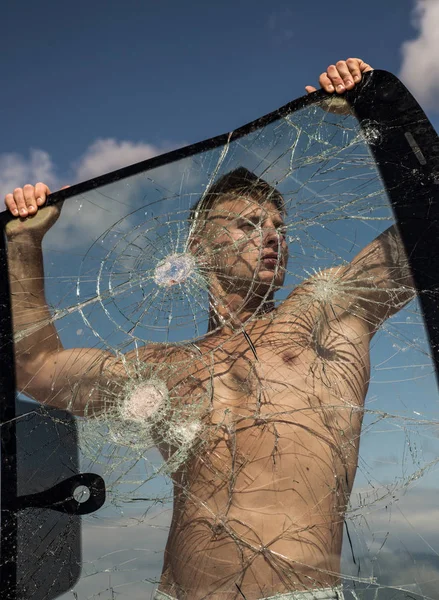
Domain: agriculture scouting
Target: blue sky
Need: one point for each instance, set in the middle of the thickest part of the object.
(92, 86)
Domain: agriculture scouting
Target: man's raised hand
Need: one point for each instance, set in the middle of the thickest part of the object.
(25, 203)
(27, 200)
(342, 76)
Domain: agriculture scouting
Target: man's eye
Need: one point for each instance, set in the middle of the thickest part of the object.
(248, 225)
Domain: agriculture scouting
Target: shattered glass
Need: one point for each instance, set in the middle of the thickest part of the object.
(211, 360)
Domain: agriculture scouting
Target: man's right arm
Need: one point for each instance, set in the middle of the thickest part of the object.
(75, 379)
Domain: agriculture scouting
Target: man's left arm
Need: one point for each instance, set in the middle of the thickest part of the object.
(377, 283)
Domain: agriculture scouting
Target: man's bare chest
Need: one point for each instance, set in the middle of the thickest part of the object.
(276, 403)
(282, 351)
(275, 413)
(275, 381)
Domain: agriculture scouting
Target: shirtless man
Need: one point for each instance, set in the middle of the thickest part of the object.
(259, 506)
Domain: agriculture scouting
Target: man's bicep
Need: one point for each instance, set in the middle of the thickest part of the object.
(381, 279)
(72, 379)
(357, 297)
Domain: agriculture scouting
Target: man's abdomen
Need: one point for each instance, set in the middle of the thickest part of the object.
(264, 507)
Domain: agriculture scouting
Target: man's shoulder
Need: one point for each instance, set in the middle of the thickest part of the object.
(163, 353)
(330, 297)
(319, 285)
(171, 363)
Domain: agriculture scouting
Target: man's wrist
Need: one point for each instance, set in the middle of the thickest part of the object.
(24, 238)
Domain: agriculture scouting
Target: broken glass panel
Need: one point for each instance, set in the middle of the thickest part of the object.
(225, 377)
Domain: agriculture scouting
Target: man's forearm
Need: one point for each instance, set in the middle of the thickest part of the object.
(33, 331)
(395, 257)
(381, 278)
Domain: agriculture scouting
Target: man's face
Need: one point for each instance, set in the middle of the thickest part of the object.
(246, 243)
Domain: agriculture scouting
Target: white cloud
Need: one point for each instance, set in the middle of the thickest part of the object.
(119, 206)
(124, 555)
(17, 170)
(131, 548)
(405, 520)
(420, 67)
(102, 156)
(108, 155)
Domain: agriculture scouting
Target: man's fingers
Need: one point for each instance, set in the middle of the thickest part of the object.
(20, 202)
(41, 192)
(335, 79)
(326, 83)
(364, 67)
(345, 74)
(341, 76)
(11, 204)
(354, 67)
(25, 201)
(29, 197)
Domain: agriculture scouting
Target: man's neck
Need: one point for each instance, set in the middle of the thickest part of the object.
(236, 309)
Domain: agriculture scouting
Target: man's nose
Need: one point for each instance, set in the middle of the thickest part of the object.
(271, 236)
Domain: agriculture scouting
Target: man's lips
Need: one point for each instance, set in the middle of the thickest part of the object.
(271, 259)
